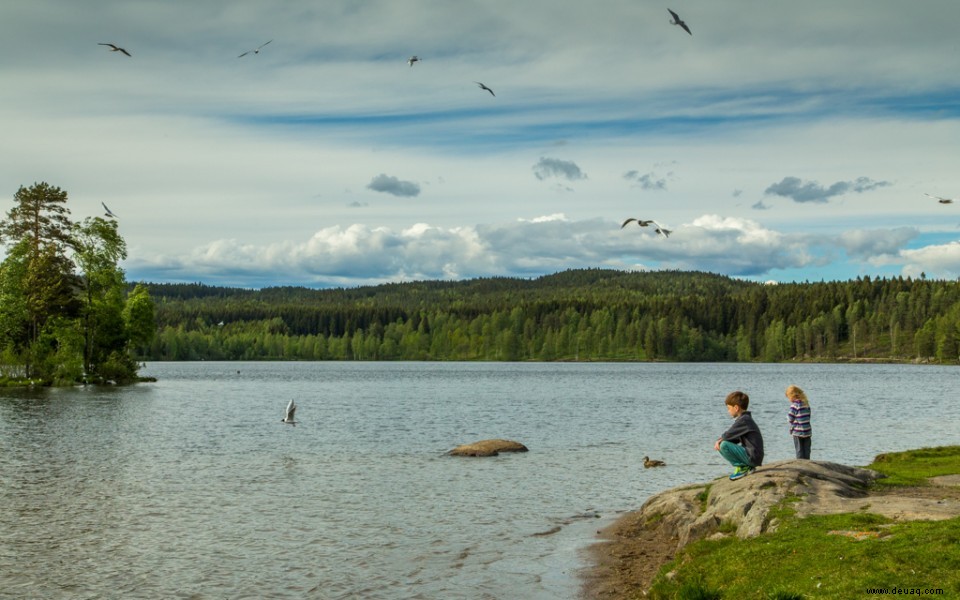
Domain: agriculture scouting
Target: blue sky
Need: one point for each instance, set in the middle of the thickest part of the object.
(781, 141)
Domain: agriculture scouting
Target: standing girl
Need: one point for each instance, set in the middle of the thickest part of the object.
(799, 418)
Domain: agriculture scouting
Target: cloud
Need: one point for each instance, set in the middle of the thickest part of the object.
(759, 205)
(936, 260)
(554, 167)
(869, 244)
(391, 185)
(811, 191)
(360, 254)
(648, 181)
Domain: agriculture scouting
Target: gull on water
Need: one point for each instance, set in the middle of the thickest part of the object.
(288, 416)
(677, 21)
(483, 87)
(940, 199)
(255, 50)
(109, 212)
(114, 48)
(413, 59)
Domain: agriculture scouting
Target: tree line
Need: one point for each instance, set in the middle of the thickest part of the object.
(66, 312)
(576, 315)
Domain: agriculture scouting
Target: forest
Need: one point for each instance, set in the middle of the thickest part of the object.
(575, 315)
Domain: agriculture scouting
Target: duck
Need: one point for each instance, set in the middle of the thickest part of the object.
(647, 463)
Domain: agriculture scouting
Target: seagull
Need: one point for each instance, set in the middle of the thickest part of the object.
(640, 222)
(676, 21)
(109, 212)
(255, 50)
(657, 227)
(291, 408)
(939, 199)
(483, 87)
(114, 48)
(647, 463)
(413, 59)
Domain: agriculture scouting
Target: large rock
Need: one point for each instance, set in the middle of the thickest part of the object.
(692, 512)
(488, 448)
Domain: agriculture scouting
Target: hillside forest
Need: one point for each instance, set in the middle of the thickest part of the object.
(576, 315)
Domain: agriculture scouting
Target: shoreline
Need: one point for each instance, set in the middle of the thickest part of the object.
(628, 554)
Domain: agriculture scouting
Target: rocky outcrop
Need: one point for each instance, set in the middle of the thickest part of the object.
(488, 448)
(744, 506)
(639, 543)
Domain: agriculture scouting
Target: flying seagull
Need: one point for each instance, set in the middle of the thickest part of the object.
(413, 59)
(109, 212)
(288, 418)
(657, 227)
(255, 50)
(647, 463)
(677, 21)
(640, 222)
(483, 87)
(661, 230)
(114, 48)
(939, 199)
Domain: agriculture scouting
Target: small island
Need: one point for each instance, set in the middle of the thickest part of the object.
(797, 529)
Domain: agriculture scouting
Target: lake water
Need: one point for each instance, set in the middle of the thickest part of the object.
(191, 487)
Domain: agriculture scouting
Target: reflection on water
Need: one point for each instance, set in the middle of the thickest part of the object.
(192, 487)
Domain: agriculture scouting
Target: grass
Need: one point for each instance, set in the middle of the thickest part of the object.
(914, 467)
(829, 556)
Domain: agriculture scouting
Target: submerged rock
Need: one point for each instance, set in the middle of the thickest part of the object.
(488, 448)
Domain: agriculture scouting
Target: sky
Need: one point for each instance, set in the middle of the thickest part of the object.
(780, 141)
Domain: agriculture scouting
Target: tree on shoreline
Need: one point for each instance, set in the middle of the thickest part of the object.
(63, 295)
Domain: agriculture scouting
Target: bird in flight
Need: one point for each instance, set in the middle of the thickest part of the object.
(413, 59)
(657, 227)
(255, 50)
(109, 212)
(664, 232)
(640, 222)
(939, 199)
(114, 48)
(677, 21)
(288, 415)
(483, 87)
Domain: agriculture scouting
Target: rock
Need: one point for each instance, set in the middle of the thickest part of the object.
(488, 448)
(689, 513)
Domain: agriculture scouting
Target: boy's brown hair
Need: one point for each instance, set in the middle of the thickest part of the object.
(738, 399)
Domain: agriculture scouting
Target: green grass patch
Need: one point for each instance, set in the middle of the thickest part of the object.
(813, 557)
(914, 467)
(703, 496)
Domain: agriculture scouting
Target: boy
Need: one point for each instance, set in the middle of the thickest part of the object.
(742, 444)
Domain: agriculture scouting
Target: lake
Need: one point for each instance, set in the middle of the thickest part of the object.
(191, 487)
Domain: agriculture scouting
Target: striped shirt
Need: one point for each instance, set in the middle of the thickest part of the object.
(799, 417)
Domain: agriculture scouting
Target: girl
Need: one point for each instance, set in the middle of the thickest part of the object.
(799, 418)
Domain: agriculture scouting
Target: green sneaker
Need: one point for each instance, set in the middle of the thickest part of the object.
(740, 472)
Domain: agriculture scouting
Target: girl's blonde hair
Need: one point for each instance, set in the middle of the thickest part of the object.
(795, 393)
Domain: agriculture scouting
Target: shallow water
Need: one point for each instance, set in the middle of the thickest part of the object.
(192, 487)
